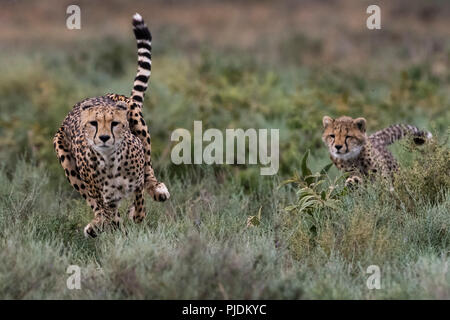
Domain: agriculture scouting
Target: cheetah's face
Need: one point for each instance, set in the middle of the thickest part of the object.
(104, 127)
(344, 136)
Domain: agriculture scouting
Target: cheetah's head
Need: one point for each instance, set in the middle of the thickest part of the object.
(104, 126)
(344, 136)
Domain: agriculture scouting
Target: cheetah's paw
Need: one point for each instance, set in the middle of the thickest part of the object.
(160, 192)
(89, 231)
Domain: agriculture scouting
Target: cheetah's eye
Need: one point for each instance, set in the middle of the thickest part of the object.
(332, 136)
(94, 123)
(114, 123)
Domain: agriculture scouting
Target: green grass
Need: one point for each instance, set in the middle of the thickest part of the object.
(198, 244)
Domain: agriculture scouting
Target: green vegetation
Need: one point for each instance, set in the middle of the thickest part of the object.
(227, 232)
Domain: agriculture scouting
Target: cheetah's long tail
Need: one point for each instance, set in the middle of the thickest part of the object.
(144, 45)
(397, 131)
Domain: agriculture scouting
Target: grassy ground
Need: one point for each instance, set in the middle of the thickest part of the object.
(199, 245)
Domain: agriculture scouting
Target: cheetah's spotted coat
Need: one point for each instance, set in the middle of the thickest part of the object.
(104, 147)
(352, 151)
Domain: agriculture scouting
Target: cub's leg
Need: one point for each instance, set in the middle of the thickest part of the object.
(67, 161)
(157, 190)
(353, 181)
(136, 212)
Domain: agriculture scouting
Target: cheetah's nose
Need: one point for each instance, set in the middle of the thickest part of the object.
(337, 146)
(104, 138)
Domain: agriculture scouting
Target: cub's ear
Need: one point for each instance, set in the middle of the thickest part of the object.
(327, 121)
(360, 124)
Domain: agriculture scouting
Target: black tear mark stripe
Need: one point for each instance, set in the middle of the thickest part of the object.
(95, 135)
(112, 133)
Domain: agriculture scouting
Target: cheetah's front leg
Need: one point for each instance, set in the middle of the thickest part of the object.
(104, 216)
(136, 212)
(67, 161)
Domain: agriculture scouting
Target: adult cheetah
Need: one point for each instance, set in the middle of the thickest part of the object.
(352, 151)
(104, 147)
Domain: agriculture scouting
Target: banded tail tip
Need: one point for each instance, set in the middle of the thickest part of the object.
(137, 17)
(426, 135)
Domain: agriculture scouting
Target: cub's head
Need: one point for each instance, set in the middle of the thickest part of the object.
(344, 136)
(104, 126)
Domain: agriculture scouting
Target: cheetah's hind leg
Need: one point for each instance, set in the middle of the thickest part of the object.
(157, 190)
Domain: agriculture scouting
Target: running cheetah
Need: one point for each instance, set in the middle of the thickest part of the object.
(353, 151)
(104, 147)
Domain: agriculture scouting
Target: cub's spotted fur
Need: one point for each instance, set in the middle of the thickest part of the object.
(353, 151)
(104, 147)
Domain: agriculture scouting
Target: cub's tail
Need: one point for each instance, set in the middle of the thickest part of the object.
(398, 131)
(144, 45)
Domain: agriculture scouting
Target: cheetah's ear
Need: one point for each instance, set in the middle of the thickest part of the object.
(121, 105)
(360, 124)
(327, 121)
(86, 105)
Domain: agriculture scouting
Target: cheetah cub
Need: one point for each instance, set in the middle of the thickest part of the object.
(104, 147)
(352, 151)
